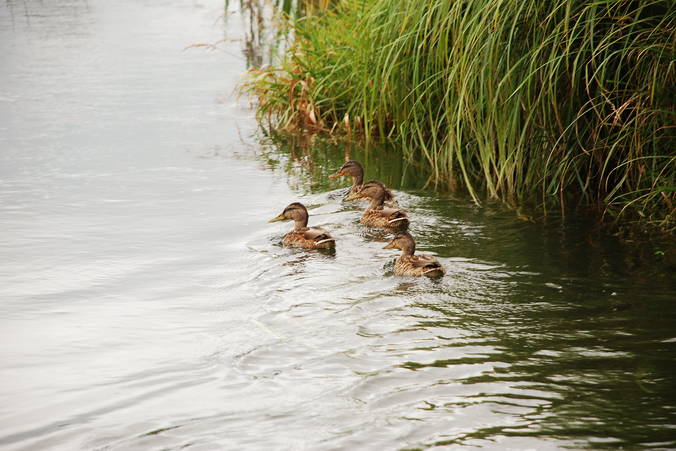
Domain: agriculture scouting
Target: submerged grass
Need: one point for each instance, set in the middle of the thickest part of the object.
(525, 101)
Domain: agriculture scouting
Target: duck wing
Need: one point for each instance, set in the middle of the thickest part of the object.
(425, 261)
(394, 215)
(317, 235)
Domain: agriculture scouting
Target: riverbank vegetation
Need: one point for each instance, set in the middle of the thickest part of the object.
(550, 104)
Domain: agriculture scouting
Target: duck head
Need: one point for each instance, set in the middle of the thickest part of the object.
(352, 169)
(403, 241)
(293, 212)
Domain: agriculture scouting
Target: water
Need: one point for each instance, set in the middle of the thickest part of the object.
(145, 303)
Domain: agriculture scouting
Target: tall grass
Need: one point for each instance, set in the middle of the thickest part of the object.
(521, 100)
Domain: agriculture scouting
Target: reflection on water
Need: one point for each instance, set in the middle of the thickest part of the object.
(540, 335)
(264, 32)
(145, 302)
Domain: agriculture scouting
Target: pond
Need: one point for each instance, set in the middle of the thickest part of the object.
(146, 303)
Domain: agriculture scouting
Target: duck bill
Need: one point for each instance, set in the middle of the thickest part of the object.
(337, 174)
(353, 196)
(278, 218)
(390, 246)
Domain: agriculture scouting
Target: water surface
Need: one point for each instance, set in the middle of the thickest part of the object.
(145, 303)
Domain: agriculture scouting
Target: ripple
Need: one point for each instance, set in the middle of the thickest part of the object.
(147, 304)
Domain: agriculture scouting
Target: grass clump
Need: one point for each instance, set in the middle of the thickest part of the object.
(520, 100)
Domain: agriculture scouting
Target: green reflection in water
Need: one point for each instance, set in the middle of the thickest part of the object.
(309, 160)
(575, 328)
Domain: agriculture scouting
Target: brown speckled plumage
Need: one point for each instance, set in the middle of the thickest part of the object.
(377, 214)
(355, 170)
(409, 264)
(302, 235)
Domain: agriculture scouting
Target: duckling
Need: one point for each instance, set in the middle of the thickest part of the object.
(377, 214)
(413, 265)
(355, 170)
(302, 235)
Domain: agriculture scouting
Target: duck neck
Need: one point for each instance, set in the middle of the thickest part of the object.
(300, 223)
(407, 248)
(357, 178)
(377, 202)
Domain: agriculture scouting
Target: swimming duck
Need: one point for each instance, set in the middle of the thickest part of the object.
(355, 170)
(413, 265)
(377, 214)
(302, 235)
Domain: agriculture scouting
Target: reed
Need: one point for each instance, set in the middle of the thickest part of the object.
(525, 101)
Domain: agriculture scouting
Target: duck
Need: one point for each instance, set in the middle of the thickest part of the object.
(302, 235)
(377, 214)
(354, 169)
(409, 264)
